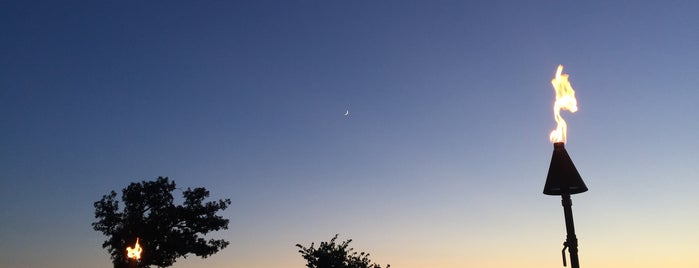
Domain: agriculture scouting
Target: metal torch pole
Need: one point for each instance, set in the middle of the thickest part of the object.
(571, 241)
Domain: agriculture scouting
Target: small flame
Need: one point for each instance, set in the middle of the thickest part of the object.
(135, 252)
(565, 99)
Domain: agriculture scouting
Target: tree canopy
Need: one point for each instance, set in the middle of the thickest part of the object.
(165, 231)
(334, 255)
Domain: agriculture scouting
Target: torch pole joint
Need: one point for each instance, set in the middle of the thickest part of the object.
(571, 240)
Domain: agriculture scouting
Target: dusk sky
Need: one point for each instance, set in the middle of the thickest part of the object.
(441, 161)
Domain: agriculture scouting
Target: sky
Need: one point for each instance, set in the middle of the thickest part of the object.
(441, 161)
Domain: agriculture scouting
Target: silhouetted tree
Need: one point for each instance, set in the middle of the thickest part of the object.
(333, 255)
(166, 231)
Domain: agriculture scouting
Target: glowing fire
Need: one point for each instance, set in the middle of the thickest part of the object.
(135, 252)
(565, 99)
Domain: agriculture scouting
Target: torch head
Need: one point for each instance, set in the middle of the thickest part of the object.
(563, 177)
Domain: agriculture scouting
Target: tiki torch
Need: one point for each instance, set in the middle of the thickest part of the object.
(563, 178)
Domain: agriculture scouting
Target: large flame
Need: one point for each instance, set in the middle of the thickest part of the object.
(135, 252)
(565, 99)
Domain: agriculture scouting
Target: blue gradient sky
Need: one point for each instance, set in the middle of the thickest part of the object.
(441, 162)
